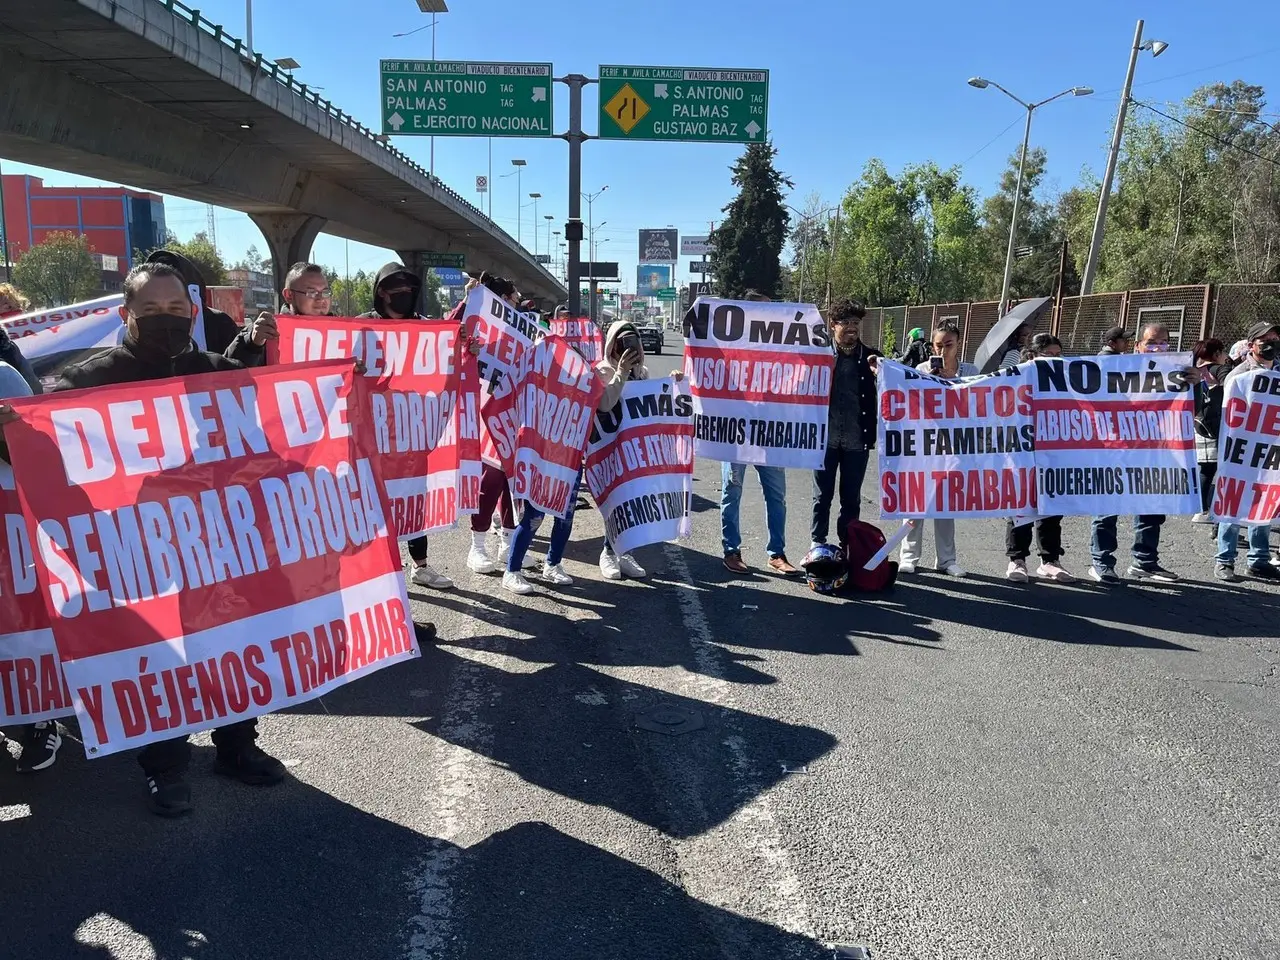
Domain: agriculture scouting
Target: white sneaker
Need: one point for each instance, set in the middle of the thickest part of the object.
(955, 570)
(630, 568)
(428, 576)
(906, 566)
(516, 583)
(1054, 572)
(479, 561)
(1203, 517)
(1017, 572)
(554, 573)
(530, 561)
(610, 569)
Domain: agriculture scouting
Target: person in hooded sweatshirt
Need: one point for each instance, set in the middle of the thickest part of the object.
(395, 297)
(159, 316)
(623, 361)
(221, 332)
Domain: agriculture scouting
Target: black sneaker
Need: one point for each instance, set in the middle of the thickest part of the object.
(1225, 573)
(250, 764)
(170, 794)
(1154, 574)
(1264, 571)
(40, 743)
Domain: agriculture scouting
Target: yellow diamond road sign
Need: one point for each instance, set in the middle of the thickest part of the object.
(626, 108)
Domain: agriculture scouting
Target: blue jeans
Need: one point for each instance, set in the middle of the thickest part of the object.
(529, 523)
(773, 482)
(1146, 541)
(1229, 544)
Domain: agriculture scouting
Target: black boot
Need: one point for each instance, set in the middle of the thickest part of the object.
(170, 793)
(249, 764)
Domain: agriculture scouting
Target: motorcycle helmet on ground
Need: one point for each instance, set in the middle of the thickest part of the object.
(825, 569)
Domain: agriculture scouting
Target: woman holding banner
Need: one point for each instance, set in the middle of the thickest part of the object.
(1048, 530)
(946, 364)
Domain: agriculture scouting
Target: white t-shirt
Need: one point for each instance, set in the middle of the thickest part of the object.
(963, 369)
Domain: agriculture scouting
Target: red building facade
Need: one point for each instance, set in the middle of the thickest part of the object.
(114, 220)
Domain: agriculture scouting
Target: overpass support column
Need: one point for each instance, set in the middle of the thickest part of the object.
(289, 238)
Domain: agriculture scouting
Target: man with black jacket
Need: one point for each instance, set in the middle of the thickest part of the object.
(395, 297)
(157, 345)
(221, 332)
(851, 424)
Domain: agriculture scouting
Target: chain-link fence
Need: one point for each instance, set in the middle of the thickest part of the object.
(1238, 306)
(1191, 313)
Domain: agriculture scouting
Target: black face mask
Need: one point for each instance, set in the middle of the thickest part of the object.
(163, 334)
(401, 302)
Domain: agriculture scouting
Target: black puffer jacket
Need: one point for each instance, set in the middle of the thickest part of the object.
(124, 364)
(221, 333)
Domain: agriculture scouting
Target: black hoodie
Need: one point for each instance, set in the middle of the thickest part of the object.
(221, 333)
(388, 271)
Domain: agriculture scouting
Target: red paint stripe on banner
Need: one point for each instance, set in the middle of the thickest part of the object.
(1134, 406)
(757, 396)
(1116, 444)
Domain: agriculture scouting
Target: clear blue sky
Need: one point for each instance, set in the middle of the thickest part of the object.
(849, 81)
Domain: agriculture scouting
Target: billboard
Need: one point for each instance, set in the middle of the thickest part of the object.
(659, 246)
(652, 277)
(695, 246)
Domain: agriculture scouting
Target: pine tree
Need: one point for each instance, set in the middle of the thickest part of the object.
(746, 248)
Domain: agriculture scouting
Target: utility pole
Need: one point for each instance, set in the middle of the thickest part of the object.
(1156, 47)
(1057, 295)
(835, 241)
(573, 229)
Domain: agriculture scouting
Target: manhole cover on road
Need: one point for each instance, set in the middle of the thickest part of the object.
(670, 720)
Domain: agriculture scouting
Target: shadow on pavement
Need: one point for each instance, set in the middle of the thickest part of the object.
(537, 894)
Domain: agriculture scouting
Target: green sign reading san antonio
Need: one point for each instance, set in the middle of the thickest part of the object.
(440, 98)
(704, 104)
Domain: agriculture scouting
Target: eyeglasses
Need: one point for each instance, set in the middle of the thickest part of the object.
(325, 294)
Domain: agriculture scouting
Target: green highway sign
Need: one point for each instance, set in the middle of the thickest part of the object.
(667, 293)
(442, 98)
(457, 260)
(702, 104)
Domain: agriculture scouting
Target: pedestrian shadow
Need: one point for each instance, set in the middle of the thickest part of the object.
(537, 894)
(587, 721)
(253, 874)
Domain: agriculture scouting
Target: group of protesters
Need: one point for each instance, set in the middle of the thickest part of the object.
(158, 343)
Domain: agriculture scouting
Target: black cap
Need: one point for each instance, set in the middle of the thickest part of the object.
(1261, 329)
(1116, 333)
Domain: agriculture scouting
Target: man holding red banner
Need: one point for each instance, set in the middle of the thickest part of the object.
(159, 315)
(396, 290)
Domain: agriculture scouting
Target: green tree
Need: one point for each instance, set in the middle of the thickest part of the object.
(746, 248)
(433, 304)
(1038, 228)
(58, 271)
(351, 297)
(253, 260)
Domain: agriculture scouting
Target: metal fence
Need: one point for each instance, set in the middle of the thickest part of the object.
(1191, 313)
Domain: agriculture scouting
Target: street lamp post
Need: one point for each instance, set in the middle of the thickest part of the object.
(1156, 47)
(535, 197)
(591, 237)
(981, 84)
(548, 217)
(804, 250)
(519, 165)
(591, 199)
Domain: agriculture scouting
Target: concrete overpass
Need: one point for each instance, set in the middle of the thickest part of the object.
(150, 94)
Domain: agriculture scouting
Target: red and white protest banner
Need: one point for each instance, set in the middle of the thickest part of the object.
(505, 335)
(1114, 435)
(760, 377)
(1247, 488)
(470, 466)
(639, 464)
(540, 429)
(209, 548)
(412, 369)
(31, 683)
(581, 333)
(954, 448)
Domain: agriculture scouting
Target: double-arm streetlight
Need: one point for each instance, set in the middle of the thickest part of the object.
(804, 250)
(982, 84)
(591, 199)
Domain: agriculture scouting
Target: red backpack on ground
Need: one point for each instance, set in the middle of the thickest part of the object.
(864, 542)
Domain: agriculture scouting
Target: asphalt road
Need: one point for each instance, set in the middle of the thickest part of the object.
(962, 768)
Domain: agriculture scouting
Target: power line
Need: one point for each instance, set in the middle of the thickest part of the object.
(1206, 133)
(1188, 73)
(991, 141)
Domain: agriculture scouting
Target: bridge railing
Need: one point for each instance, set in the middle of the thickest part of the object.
(282, 76)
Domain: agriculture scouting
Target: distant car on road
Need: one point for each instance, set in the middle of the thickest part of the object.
(651, 337)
